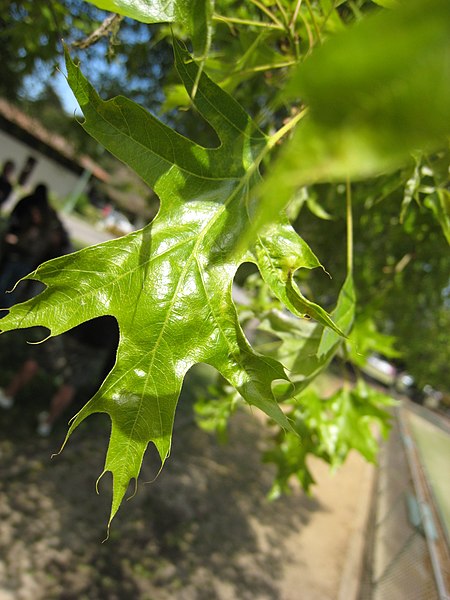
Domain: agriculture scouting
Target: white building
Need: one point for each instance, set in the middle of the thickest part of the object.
(43, 157)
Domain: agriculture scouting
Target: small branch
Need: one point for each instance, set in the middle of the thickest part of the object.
(247, 22)
(309, 33)
(290, 63)
(201, 66)
(108, 27)
(282, 11)
(313, 19)
(403, 263)
(328, 15)
(276, 137)
(292, 29)
(267, 12)
(295, 14)
(349, 218)
(249, 52)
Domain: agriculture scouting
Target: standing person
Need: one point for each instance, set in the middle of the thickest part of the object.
(5, 180)
(34, 233)
(80, 358)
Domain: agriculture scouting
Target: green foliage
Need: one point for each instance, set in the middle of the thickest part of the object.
(213, 412)
(365, 339)
(428, 186)
(30, 37)
(401, 267)
(368, 110)
(328, 429)
(173, 278)
(303, 347)
(306, 348)
(359, 101)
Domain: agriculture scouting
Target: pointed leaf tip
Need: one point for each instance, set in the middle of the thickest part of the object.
(169, 284)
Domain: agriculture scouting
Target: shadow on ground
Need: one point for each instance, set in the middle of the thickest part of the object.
(202, 530)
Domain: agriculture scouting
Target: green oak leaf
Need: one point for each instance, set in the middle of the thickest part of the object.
(329, 428)
(169, 286)
(305, 348)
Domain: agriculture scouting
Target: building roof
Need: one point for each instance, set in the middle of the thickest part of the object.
(31, 131)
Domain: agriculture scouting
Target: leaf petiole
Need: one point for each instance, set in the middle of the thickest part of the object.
(349, 220)
(238, 21)
(293, 19)
(287, 127)
(267, 12)
(313, 19)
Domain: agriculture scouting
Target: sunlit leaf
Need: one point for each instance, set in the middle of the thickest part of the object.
(149, 11)
(169, 285)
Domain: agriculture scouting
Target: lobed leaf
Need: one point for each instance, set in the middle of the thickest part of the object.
(169, 285)
(329, 428)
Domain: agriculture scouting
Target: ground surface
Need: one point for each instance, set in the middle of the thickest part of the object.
(203, 530)
(434, 447)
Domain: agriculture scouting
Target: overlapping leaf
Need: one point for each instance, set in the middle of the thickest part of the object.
(194, 15)
(306, 348)
(149, 11)
(303, 347)
(169, 285)
(329, 428)
(376, 93)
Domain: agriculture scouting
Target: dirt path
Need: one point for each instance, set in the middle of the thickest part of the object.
(203, 530)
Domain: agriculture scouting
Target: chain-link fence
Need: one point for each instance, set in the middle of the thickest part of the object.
(402, 559)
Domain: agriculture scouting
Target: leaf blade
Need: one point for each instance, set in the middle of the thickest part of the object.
(169, 284)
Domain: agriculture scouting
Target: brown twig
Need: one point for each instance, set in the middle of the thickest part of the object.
(108, 27)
